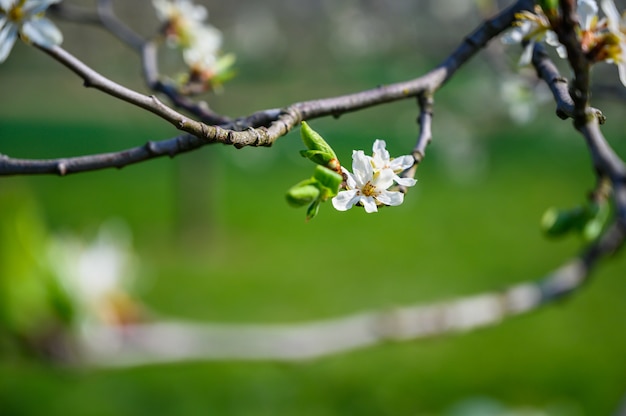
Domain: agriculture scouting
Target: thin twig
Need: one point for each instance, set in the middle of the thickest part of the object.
(201, 110)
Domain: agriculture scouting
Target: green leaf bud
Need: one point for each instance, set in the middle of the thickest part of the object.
(319, 151)
(549, 7)
(557, 222)
(303, 193)
(598, 217)
(329, 180)
(313, 209)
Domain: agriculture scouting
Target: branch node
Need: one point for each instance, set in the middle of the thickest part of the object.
(62, 168)
(151, 148)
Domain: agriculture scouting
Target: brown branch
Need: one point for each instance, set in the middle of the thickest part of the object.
(171, 341)
(246, 131)
(566, 29)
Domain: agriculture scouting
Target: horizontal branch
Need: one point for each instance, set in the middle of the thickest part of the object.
(175, 341)
(247, 131)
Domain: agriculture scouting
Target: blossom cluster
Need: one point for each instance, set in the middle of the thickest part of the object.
(24, 19)
(602, 39)
(372, 179)
(185, 27)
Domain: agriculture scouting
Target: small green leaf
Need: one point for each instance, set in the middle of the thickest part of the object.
(550, 7)
(599, 215)
(303, 193)
(313, 140)
(313, 209)
(329, 180)
(557, 222)
(317, 156)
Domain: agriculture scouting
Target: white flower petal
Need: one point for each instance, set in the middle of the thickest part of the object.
(379, 151)
(34, 7)
(405, 181)
(587, 12)
(362, 167)
(369, 204)
(345, 200)
(527, 55)
(391, 198)
(7, 4)
(612, 15)
(401, 163)
(383, 179)
(350, 180)
(42, 32)
(8, 35)
(621, 67)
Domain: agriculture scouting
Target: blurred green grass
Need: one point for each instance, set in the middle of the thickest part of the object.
(251, 258)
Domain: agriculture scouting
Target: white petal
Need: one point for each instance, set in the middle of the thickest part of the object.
(33, 7)
(612, 15)
(391, 198)
(350, 181)
(527, 55)
(405, 181)
(8, 35)
(401, 163)
(345, 200)
(42, 32)
(383, 179)
(587, 11)
(516, 34)
(379, 152)
(7, 4)
(362, 168)
(369, 204)
(621, 67)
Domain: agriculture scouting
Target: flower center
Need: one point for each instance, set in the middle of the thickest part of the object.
(368, 189)
(16, 13)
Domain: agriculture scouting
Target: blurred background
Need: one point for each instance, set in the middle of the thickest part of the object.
(208, 236)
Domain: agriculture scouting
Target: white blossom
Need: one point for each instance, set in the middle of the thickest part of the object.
(97, 276)
(616, 24)
(382, 160)
(24, 19)
(182, 19)
(373, 176)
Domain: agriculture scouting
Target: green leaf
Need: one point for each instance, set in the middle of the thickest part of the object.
(556, 222)
(313, 209)
(303, 193)
(599, 216)
(317, 156)
(319, 151)
(329, 180)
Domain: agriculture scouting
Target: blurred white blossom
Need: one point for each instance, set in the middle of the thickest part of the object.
(24, 19)
(601, 39)
(98, 276)
(185, 28)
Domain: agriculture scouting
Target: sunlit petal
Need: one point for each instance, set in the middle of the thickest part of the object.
(391, 198)
(369, 204)
(345, 200)
(42, 32)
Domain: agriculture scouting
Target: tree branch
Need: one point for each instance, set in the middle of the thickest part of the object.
(263, 127)
(171, 341)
